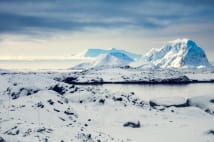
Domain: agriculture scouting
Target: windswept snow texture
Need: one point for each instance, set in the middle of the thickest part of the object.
(93, 52)
(178, 53)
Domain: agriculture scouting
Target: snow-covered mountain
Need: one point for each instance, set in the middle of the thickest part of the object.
(95, 52)
(178, 53)
(113, 59)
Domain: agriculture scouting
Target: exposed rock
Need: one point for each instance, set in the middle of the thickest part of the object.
(56, 110)
(102, 101)
(210, 132)
(23, 92)
(2, 139)
(44, 130)
(132, 124)
(40, 104)
(58, 89)
(117, 99)
(69, 80)
(60, 102)
(50, 102)
(12, 131)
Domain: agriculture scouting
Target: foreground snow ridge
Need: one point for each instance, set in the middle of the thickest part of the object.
(178, 53)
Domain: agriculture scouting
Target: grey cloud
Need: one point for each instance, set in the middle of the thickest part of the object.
(24, 16)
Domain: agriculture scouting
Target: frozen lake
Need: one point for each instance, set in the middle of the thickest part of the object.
(147, 92)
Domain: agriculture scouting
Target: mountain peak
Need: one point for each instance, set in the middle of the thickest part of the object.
(113, 49)
(178, 53)
(95, 52)
(183, 42)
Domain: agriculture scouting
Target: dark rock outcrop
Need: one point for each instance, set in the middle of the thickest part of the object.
(132, 124)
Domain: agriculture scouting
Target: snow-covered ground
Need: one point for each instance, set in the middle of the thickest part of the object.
(131, 75)
(45, 106)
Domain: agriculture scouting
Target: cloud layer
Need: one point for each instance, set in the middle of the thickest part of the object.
(35, 16)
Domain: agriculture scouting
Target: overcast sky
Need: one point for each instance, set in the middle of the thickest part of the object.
(65, 27)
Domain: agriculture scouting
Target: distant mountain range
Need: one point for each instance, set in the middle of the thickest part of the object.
(95, 52)
(180, 53)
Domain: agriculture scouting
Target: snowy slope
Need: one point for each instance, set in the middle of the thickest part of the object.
(114, 59)
(178, 53)
(95, 52)
(142, 63)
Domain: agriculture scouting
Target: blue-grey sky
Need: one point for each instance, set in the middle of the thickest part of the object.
(65, 27)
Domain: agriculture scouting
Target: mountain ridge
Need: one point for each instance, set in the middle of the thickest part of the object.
(95, 52)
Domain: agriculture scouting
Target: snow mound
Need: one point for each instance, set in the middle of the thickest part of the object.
(112, 59)
(205, 103)
(168, 102)
(178, 53)
(95, 52)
